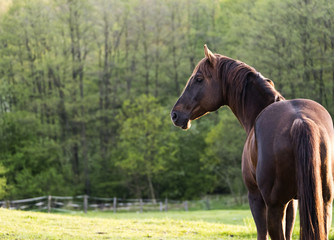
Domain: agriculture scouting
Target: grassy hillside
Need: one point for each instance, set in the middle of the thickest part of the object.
(238, 224)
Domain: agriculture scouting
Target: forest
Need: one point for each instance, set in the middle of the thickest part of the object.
(86, 89)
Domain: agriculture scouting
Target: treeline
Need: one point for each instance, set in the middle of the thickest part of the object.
(87, 86)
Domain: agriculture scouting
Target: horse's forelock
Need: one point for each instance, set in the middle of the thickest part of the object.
(204, 66)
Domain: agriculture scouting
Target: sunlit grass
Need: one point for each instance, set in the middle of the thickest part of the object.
(214, 224)
(173, 225)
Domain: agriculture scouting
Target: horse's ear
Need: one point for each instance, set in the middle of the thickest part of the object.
(209, 55)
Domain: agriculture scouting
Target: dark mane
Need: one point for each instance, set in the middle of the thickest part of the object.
(244, 89)
(237, 76)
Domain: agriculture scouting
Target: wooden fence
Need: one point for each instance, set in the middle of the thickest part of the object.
(85, 203)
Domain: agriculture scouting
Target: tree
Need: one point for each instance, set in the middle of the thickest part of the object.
(224, 145)
(146, 142)
(187, 176)
(3, 182)
(289, 42)
(33, 163)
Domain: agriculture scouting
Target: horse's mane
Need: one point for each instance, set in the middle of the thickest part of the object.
(236, 77)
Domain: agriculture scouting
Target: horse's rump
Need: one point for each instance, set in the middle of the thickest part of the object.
(294, 160)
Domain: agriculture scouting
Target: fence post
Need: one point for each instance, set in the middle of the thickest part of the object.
(161, 206)
(85, 203)
(207, 203)
(8, 204)
(114, 205)
(49, 203)
(141, 205)
(186, 206)
(166, 204)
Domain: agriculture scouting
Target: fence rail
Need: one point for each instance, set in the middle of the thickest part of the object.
(85, 203)
(92, 203)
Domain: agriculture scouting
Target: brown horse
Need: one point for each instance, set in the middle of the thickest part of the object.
(288, 153)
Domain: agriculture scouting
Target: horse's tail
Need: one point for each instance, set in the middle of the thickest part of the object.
(305, 136)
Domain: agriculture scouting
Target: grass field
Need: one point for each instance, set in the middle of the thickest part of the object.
(214, 224)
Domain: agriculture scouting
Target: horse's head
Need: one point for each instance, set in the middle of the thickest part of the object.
(202, 93)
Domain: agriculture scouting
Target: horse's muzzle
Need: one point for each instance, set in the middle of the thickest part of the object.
(180, 119)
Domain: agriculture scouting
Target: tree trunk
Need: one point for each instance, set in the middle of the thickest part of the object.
(150, 185)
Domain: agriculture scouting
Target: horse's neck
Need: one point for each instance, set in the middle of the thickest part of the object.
(251, 104)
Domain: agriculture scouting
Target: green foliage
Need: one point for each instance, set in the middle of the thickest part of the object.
(222, 156)
(32, 161)
(291, 43)
(185, 177)
(156, 156)
(3, 182)
(86, 88)
(146, 143)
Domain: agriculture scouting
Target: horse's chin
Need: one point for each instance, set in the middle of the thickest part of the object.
(186, 126)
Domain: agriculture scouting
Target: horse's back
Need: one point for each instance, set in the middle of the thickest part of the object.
(285, 112)
(276, 166)
(276, 120)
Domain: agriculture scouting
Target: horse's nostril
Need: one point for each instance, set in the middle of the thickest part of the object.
(174, 116)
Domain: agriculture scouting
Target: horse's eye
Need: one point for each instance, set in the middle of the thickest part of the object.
(199, 79)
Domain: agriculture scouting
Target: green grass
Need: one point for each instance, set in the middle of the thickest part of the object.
(214, 224)
(224, 224)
